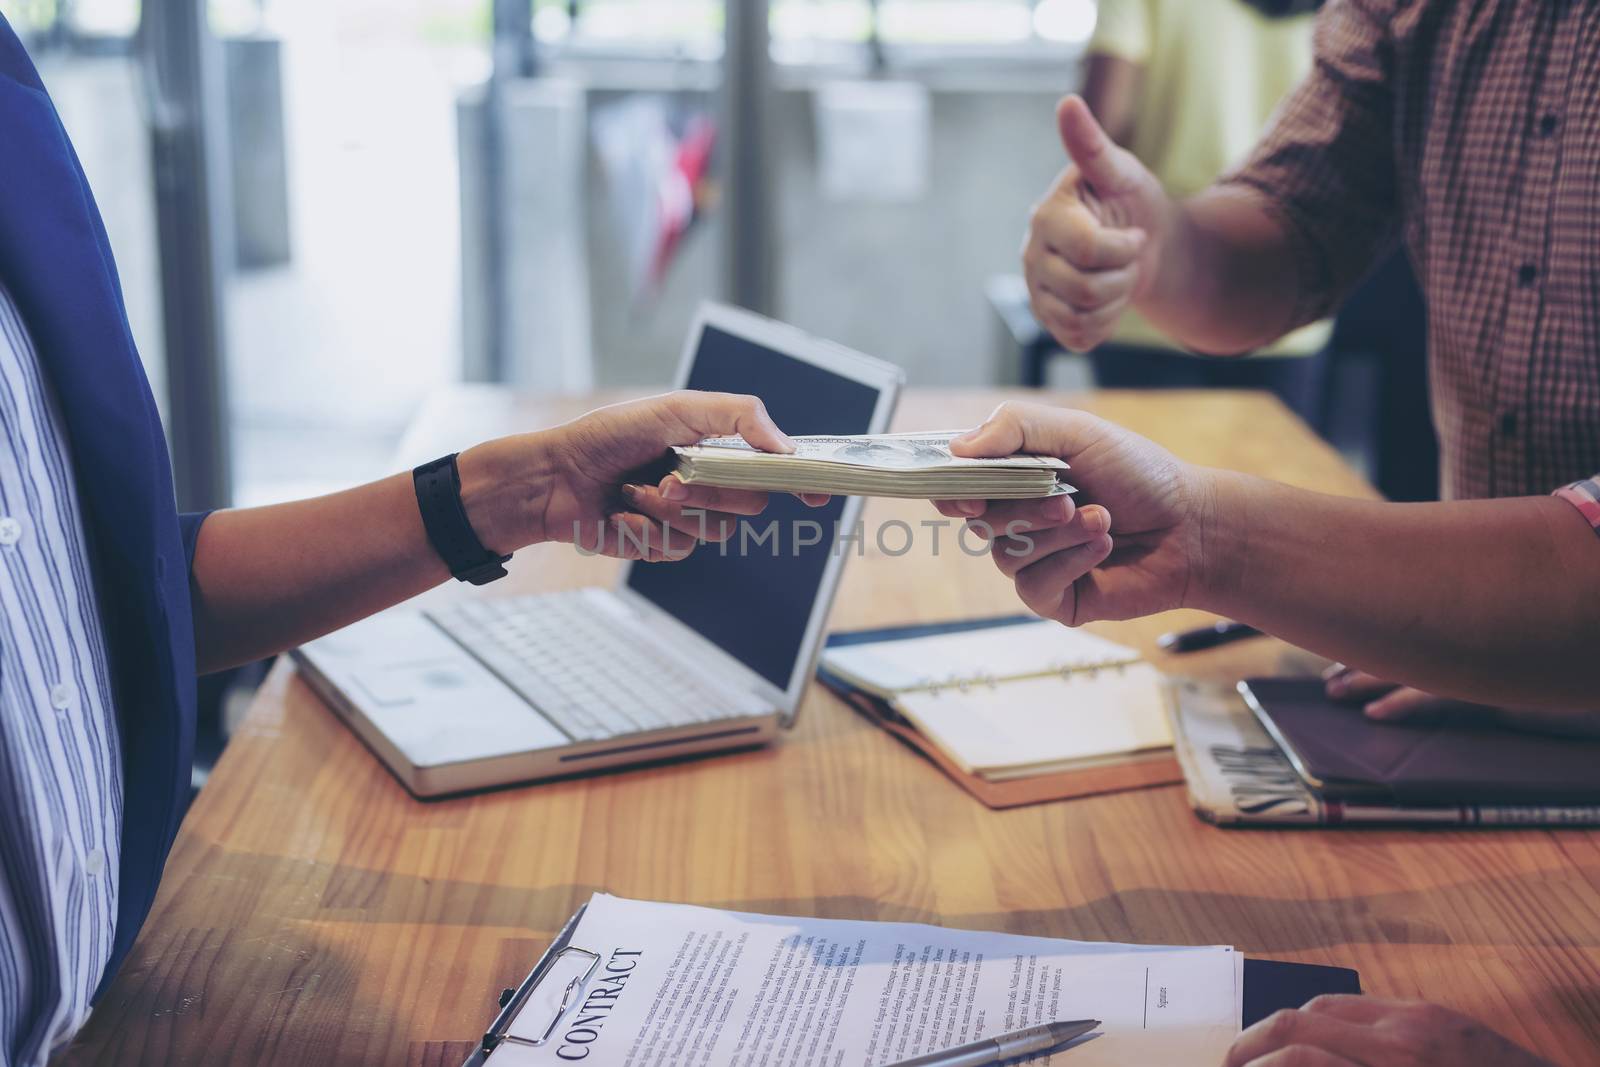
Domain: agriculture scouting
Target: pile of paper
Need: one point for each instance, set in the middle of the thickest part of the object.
(635, 984)
(919, 466)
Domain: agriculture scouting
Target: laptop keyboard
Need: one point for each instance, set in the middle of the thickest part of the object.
(596, 674)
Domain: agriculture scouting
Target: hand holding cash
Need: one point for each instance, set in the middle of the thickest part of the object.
(915, 465)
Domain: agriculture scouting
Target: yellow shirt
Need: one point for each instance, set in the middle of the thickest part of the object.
(1212, 71)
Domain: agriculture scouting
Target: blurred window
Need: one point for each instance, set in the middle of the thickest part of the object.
(986, 22)
(31, 16)
(82, 25)
(951, 23)
(103, 18)
(671, 22)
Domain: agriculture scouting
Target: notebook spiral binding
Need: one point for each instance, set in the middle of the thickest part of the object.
(1066, 671)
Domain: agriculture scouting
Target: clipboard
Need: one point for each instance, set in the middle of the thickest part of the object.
(512, 1001)
(1269, 985)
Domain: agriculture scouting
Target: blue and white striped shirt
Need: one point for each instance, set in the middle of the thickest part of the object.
(60, 747)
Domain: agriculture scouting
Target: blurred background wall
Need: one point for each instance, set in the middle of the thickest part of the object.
(324, 211)
(378, 247)
(903, 281)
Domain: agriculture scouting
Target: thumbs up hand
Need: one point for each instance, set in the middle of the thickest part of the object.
(1095, 239)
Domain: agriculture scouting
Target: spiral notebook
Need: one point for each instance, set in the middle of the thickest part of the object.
(1014, 698)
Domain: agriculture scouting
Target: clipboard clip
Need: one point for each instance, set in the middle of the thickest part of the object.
(569, 995)
(512, 1001)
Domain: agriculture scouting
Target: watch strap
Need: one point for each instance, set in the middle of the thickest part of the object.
(444, 517)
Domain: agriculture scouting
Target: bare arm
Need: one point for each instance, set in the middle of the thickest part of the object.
(266, 579)
(1216, 272)
(1111, 89)
(1228, 283)
(1270, 248)
(1494, 601)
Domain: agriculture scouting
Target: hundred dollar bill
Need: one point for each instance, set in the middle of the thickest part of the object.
(916, 465)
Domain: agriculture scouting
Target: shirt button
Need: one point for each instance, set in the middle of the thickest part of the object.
(10, 531)
(1548, 124)
(62, 695)
(1527, 273)
(1508, 423)
(94, 864)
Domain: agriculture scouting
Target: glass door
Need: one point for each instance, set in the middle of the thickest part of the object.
(344, 307)
(85, 52)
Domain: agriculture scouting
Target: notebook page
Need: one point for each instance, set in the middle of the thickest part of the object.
(1040, 721)
(967, 655)
(683, 985)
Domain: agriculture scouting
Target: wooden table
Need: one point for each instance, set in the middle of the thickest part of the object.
(313, 913)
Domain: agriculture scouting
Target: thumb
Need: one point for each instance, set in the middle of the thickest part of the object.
(1035, 429)
(1103, 165)
(710, 414)
(1402, 704)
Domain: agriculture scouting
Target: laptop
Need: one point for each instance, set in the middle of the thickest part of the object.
(707, 654)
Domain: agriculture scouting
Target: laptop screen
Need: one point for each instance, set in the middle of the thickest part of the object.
(752, 595)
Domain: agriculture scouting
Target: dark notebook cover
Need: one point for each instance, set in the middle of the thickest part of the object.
(1346, 756)
(1270, 985)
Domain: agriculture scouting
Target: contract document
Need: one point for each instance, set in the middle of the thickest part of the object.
(640, 985)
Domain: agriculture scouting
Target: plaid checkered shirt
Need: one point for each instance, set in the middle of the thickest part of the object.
(1471, 132)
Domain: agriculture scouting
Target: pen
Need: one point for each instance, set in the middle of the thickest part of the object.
(1206, 637)
(1004, 1046)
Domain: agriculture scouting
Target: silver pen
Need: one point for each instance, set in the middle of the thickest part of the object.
(1004, 1047)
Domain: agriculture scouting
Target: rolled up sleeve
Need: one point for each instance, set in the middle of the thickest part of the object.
(1326, 165)
(1585, 496)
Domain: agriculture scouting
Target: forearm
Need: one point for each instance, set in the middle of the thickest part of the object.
(267, 579)
(1226, 281)
(1492, 601)
(1111, 89)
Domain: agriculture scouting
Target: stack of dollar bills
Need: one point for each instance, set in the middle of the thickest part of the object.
(915, 465)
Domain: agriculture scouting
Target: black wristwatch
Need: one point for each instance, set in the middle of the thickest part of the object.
(438, 487)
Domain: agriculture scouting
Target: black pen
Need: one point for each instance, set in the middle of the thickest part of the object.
(1206, 637)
